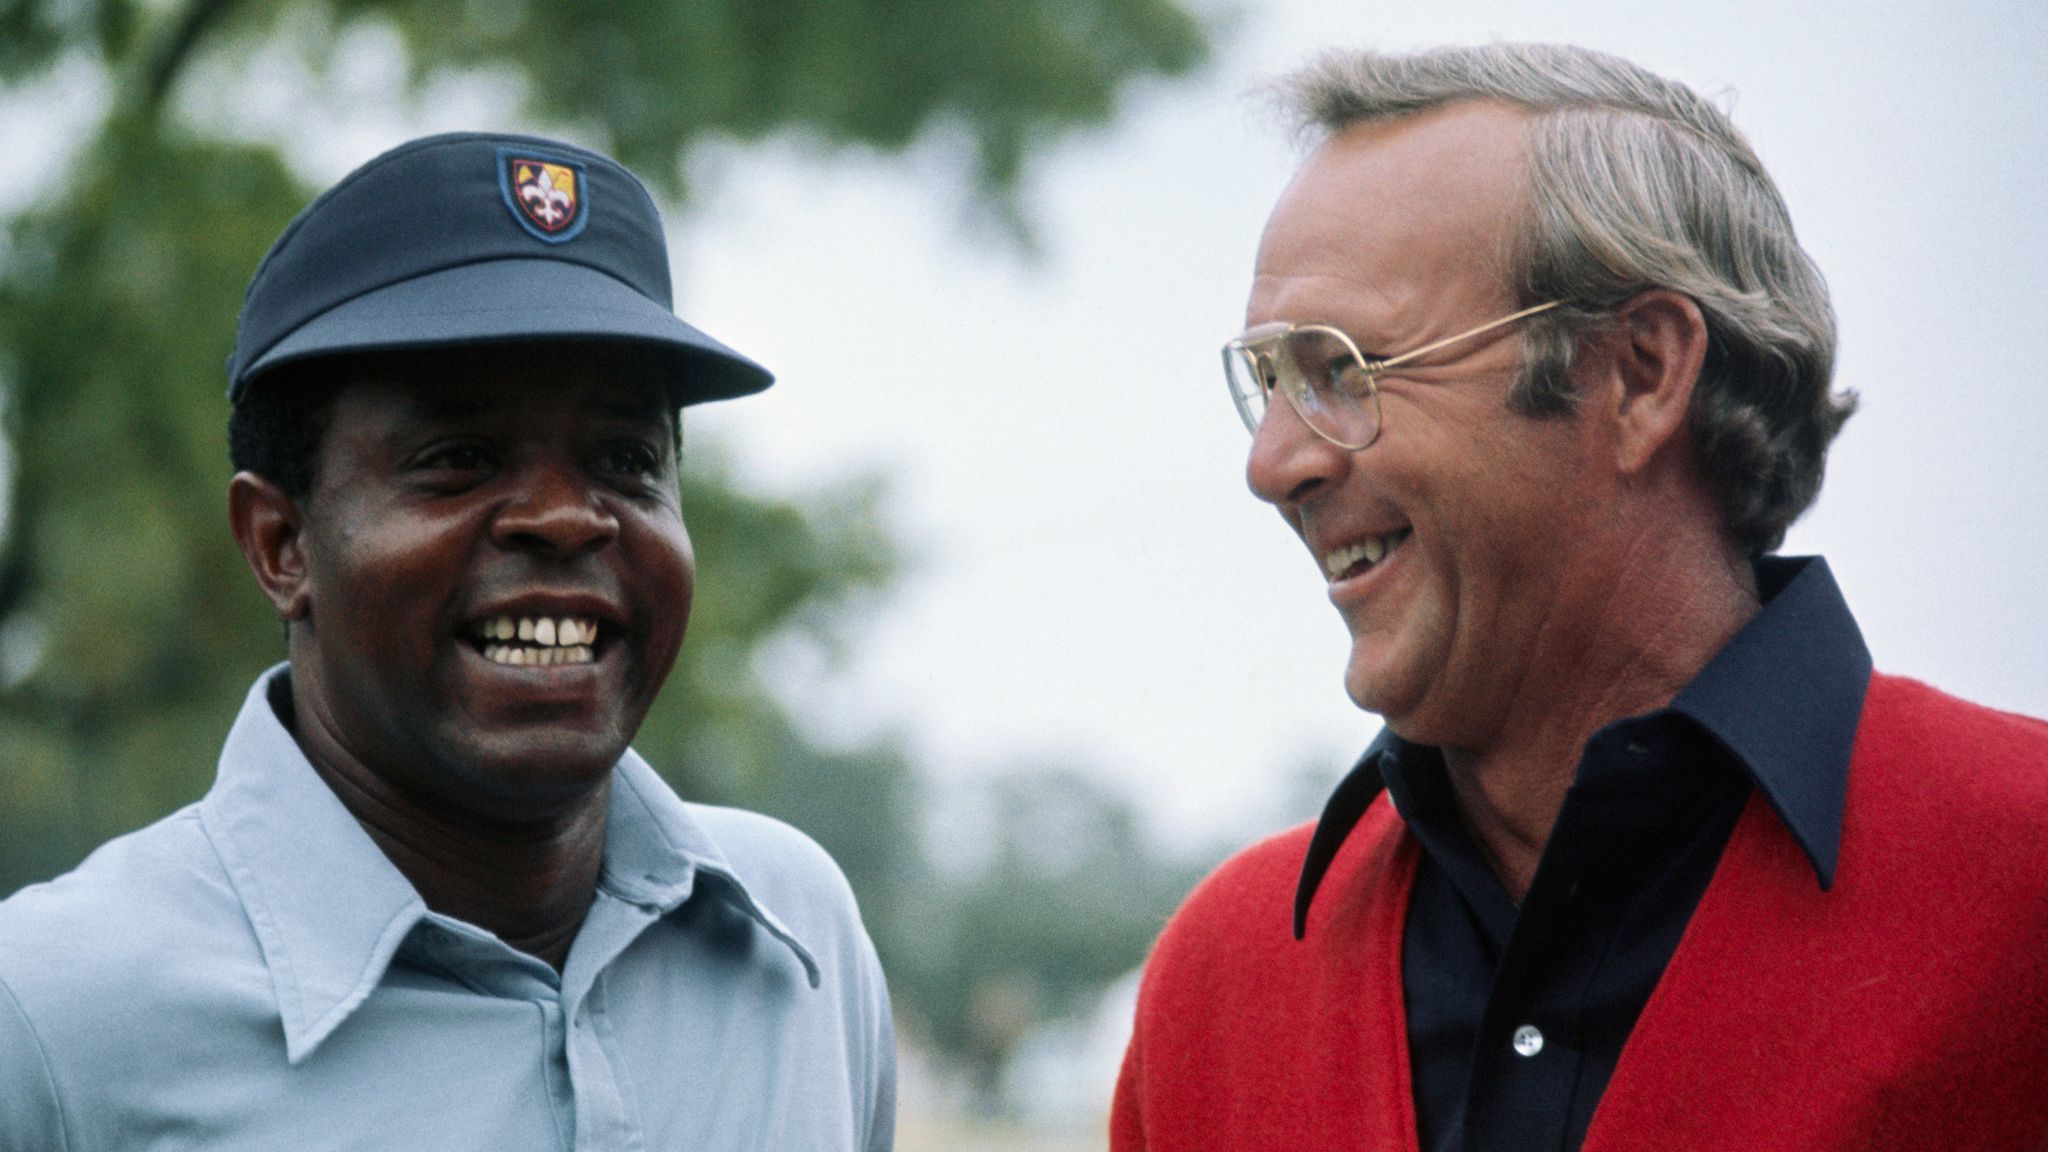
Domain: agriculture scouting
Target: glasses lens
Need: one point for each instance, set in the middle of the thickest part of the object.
(1316, 369)
(1322, 376)
(1244, 367)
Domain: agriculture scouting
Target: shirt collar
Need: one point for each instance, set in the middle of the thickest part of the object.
(655, 851)
(328, 908)
(1784, 696)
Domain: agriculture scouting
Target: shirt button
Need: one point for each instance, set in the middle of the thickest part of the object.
(1528, 1041)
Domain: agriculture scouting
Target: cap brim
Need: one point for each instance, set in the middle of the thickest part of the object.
(510, 301)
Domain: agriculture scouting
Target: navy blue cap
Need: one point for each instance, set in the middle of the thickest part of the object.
(472, 238)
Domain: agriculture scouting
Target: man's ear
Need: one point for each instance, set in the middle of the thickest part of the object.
(267, 525)
(1657, 345)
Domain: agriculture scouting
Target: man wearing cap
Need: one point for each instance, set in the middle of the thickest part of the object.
(1648, 857)
(434, 900)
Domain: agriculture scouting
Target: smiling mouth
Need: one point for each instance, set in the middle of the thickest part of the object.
(538, 641)
(1355, 559)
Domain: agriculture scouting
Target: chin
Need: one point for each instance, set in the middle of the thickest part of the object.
(520, 770)
(1368, 680)
(1392, 693)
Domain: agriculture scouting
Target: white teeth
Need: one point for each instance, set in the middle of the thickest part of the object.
(1372, 551)
(522, 656)
(544, 641)
(541, 631)
(1337, 562)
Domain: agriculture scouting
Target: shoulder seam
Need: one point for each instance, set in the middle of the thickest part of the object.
(43, 1059)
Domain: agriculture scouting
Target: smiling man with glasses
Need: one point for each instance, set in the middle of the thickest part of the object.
(1648, 856)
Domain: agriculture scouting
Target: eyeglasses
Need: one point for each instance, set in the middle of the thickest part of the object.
(1331, 384)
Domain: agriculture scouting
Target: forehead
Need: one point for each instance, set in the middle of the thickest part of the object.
(541, 384)
(1388, 211)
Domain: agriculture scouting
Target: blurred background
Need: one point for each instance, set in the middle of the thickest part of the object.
(983, 603)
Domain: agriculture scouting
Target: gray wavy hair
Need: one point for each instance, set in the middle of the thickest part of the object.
(1636, 182)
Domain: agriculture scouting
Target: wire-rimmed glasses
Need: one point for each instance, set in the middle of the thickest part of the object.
(1331, 384)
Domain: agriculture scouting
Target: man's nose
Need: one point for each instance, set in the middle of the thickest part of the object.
(1289, 463)
(557, 509)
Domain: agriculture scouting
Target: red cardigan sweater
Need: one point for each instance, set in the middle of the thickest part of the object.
(1906, 1008)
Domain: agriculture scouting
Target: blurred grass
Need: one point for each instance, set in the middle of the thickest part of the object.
(931, 1132)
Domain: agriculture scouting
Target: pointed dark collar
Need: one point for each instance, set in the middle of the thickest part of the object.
(1784, 697)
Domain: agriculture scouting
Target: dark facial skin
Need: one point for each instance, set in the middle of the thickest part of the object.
(520, 481)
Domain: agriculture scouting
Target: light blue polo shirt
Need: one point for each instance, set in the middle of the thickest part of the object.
(251, 973)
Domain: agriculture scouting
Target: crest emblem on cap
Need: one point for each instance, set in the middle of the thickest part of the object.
(545, 195)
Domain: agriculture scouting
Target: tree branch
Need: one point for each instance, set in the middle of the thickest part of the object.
(198, 18)
(14, 562)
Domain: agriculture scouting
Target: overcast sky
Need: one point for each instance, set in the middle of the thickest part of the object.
(1098, 584)
(1094, 583)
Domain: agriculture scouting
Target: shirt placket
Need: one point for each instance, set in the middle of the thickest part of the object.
(1532, 1043)
(492, 968)
(607, 1113)
(1527, 1062)
(586, 1071)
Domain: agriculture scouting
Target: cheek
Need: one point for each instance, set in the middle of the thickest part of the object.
(375, 625)
(1503, 561)
(1500, 493)
(665, 566)
(381, 581)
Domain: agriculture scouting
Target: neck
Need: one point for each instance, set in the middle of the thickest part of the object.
(1659, 609)
(531, 885)
(530, 881)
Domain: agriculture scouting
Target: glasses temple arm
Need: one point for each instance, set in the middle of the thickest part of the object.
(1403, 358)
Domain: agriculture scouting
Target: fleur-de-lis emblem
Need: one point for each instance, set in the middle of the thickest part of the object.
(550, 205)
(545, 195)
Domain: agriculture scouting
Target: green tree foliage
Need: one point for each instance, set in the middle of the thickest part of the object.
(1070, 898)
(118, 582)
(129, 628)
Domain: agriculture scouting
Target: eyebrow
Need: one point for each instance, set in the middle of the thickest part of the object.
(440, 407)
(642, 409)
(437, 406)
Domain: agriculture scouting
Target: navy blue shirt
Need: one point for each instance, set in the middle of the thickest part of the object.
(1518, 1015)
